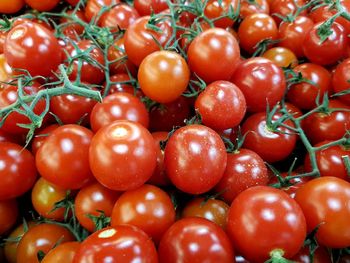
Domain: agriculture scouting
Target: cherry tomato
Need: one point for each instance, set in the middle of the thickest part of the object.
(122, 244)
(325, 203)
(286, 7)
(32, 47)
(195, 158)
(62, 253)
(42, 5)
(296, 182)
(11, 6)
(193, 240)
(72, 29)
(93, 8)
(91, 200)
(215, 9)
(221, 56)
(63, 158)
(266, 220)
(340, 80)
(283, 57)
(8, 214)
(118, 84)
(258, 6)
(123, 155)
(320, 256)
(41, 136)
(147, 7)
(17, 170)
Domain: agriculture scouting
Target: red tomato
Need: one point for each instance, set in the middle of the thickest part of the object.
(118, 106)
(195, 159)
(120, 244)
(72, 29)
(123, 155)
(118, 84)
(11, 6)
(286, 8)
(63, 158)
(42, 5)
(8, 214)
(17, 170)
(283, 57)
(244, 169)
(91, 200)
(220, 56)
(215, 9)
(93, 8)
(195, 240)
(148, 208)
(32, 47)
(62, 253)
(261, 81)
(221, 105)
(320, 256)
(163, 76)
(41, 136)
(147, 7)
(325, 203)
(248, 7)
(340, 80)
(266, 220)
(296, 182)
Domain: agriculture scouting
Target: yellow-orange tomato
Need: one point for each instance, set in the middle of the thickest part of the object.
(282, 56)
(11, 6)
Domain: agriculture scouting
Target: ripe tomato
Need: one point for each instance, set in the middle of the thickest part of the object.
(266, 220)
(93, 8)
(221, 47)
(8, 214)
(62, 253)
(41, 136)
(118, 85)
(73, 29)
(42, 5)
(325, 203)
(148, 208)
(248, 7)
(193, 240)
(11, 6)
(286, 7)
(147, 7)
(320, 256)
(212, 209)
(261, 81)
(32, 47)
(119, 17)
(17, 170)
(122, 155)
(195, 158)
(122, 244)
(63, 158)
(296, 181)
(283, 57)
(244, 169)
(91, 200)
(43, 238)
(340, 80)
(214, 9)
(221, 105)
(163, 76)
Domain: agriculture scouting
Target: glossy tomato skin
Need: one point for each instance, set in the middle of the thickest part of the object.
(128, 156)
(40, 52)
(286, 7)
(146, 7)
(40, 137)
(42, 237)
(221, 105)
(249, 8)
(63, 158)
(8, 215)
(122, 244)
(119, 17)
(18, 172)
(62, 253)
(11, 6)
(192, 240)
(283, 57)
(118, 85)
(42, 5)
(263, 219)
(155, 217)
(93, 7)
(296, 182)
(325, 203)
(91, 200)
(261, 81)
(221, 47)
(320, 256)
(244, 169)
(195, 158)
(329, 51)
(163, 76)
(215, 9)
(340, 80)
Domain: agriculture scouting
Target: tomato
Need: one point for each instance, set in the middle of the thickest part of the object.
(140, 40)
(266, 220)
(62, 253)
(248, 7)
(63, 158)
(163, 76)
(93, 8)
(91, 200)
(89, 71)
(5, 70)
(118, 84)
(41, 136)
(148, 208)
(212, 209)
(283, 57)
(11, 6)
(330, 161)
(296, 182)
(221, 105)
(195, 158)
(304, 94)
(328, 125)
(119, 17)
(261, 81)
(6, 137)
(71, 28)
(214, 9)
(340, 80)
(320, 256)
(244, 169)
(292, 34)
(122, 244)
(329, 51)
(286, 8)
(123, 155)
(8, 214)
(17, 170)
(43, 238)
(325, 203)
(32, 47)
(42, 5)
(147, 7)
(194, 240)
(254, 29)
(221, 56)
(44, 197)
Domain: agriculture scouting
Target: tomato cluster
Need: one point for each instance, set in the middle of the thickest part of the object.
(174, 131)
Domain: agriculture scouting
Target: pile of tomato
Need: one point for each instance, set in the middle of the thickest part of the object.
(174, 131)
